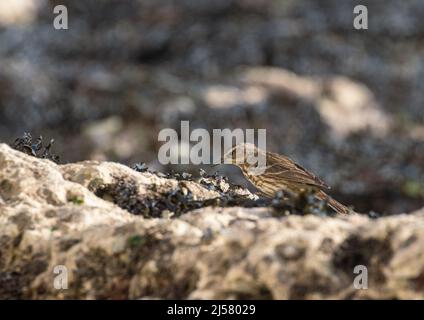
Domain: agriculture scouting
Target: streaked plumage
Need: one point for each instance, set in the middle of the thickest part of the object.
(280, 173)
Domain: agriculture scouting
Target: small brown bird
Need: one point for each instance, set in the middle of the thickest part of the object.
(279, 173)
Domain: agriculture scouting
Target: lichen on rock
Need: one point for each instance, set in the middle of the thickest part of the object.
(124, 234)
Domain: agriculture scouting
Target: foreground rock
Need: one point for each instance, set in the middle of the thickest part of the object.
(55, 215)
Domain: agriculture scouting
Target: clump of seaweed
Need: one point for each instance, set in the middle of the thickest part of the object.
(173, 203)
(35, 148)
(140, 167)
(125, 195)
(214, 182)
(304, 203)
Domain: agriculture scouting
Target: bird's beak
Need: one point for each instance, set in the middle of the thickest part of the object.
(227, 156)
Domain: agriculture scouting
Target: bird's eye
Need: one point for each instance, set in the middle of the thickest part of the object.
(234, 154)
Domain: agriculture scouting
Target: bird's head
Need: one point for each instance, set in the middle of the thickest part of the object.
(242, 153)
(246, 156)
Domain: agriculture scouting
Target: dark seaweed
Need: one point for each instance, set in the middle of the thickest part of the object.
(35, 148)
(180, 200)
(140, 167)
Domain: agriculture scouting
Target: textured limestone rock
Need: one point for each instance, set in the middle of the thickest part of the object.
(53, 215)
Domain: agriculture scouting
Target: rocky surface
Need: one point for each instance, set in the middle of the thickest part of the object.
(66, 215)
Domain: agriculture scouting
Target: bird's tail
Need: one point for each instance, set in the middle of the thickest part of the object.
(333, 204)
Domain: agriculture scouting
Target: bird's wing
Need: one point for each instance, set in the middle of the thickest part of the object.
(287, 169)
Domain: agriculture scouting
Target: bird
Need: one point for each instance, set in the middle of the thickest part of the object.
(279, 173)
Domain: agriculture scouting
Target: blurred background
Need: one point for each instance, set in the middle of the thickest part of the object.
(346, 104)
